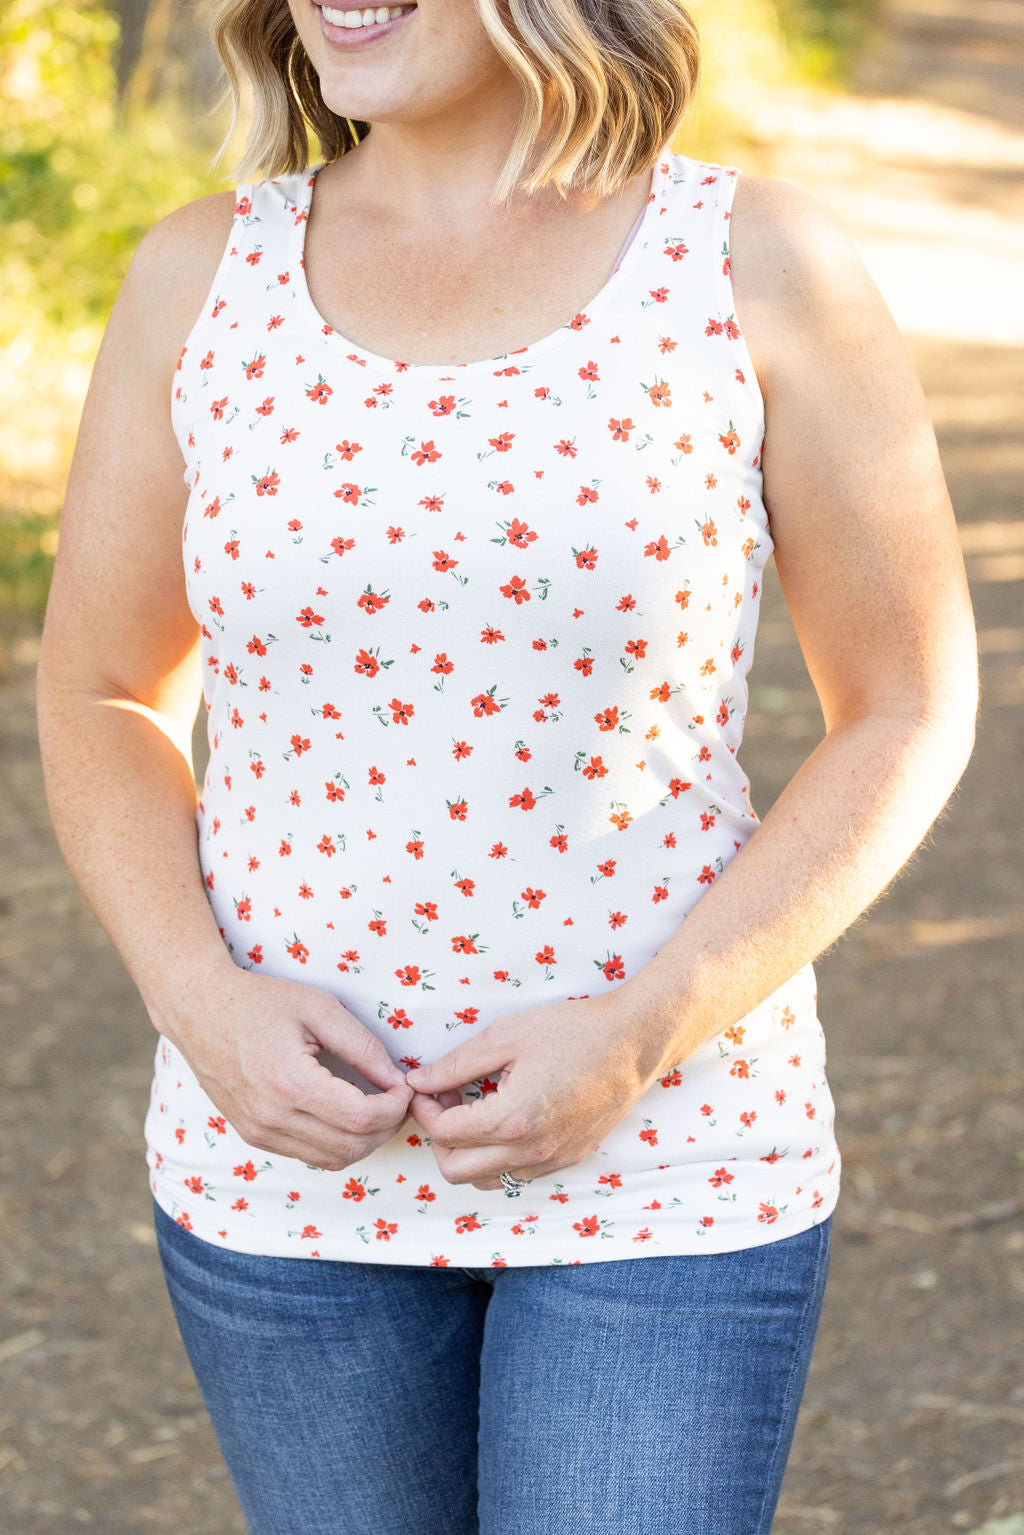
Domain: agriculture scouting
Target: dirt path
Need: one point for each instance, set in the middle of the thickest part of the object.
(913, 1417)
(914, 1413)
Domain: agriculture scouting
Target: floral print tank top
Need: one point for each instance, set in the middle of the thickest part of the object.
(476, 641)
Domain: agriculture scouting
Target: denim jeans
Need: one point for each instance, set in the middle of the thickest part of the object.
(634, 1396)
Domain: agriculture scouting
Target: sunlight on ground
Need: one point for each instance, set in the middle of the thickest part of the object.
(947, 261)
(995, 552)
(958, 291)
(901, 938)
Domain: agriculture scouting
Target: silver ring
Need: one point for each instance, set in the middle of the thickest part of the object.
(512, 1186)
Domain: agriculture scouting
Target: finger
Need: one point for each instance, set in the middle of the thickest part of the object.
(465, 1062)
(482, 1168)
(310, 1141)
(344, 1106)
(351, 1041)
(469, 1124)
(342, 1148)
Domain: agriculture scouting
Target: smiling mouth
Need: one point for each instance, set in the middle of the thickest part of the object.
(362, 18)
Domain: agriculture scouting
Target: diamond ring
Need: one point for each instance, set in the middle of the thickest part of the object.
(512, 1186)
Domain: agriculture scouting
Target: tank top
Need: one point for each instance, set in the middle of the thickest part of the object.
(476, 640)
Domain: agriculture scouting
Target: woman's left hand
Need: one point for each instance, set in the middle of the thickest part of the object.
(565, 1074)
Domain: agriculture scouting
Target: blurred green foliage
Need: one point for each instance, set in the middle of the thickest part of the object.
(78, 188)
(28, 543)
(824, 36)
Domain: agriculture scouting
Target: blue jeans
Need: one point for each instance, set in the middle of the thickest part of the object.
(635, 1396)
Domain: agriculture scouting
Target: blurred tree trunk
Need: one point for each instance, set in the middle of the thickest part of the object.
(149, 23)
(165, 49)
(131, 15)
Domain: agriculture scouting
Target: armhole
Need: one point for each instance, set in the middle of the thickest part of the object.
(190, 346)
(728, 178)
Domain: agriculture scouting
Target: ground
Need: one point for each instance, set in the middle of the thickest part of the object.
(913, 1413)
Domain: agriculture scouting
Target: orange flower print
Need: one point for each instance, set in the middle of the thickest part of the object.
(659, 548)
(373, 602)
(516, 590)
(320, 392)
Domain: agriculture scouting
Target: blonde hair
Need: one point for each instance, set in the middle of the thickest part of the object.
(612, 78)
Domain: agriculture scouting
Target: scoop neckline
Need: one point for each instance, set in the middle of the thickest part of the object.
(452, 371)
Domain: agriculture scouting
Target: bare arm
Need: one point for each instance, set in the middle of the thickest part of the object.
(870, 565)
(118, 688)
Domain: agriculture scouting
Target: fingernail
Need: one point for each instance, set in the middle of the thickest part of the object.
(396, 1078)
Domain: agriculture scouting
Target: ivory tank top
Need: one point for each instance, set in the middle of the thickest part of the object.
(476, 641)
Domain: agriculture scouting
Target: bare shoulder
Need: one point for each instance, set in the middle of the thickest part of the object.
(796, 273)
(172, 268)
(787, 241)
(193, 232)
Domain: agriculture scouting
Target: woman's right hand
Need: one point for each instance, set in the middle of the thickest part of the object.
(254, 1042)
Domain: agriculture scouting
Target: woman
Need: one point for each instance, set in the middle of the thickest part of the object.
(450, 467)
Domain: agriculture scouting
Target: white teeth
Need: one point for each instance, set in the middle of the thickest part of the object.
(371, 16)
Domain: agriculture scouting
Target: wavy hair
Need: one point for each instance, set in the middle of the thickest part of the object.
(611, 79)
